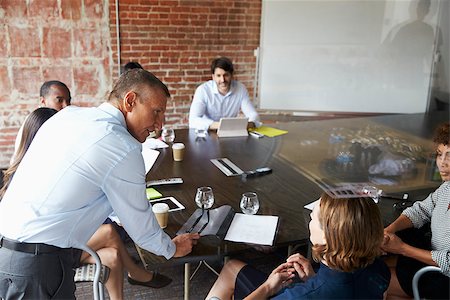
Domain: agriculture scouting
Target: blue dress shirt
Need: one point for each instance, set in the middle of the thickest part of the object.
(82, 165)
(209, 105)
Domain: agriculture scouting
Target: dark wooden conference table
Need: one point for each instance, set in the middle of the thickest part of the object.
(303, 164)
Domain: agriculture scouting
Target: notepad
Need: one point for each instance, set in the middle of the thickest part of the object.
(269, 131)
(152, 193)
(253, 229)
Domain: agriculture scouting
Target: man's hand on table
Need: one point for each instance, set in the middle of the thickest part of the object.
(184, 243)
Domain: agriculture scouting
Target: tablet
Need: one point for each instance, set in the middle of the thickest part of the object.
(231, 127)
(173, 203)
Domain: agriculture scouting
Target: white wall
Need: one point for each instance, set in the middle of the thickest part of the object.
(346, 56)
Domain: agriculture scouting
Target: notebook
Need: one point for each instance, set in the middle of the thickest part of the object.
(232, 127)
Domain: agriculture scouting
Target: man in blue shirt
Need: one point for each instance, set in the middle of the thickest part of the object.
(82, 165)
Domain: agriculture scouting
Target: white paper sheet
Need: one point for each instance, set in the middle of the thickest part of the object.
(153, 143)
(254, 229)
(311, 205)
(150, 157)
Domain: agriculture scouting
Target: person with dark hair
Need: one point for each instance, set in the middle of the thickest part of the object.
(84, 164)
(415, 248)
(29, 129)
(346, 234)
(53, 94)
(132, 65)
(221, 97)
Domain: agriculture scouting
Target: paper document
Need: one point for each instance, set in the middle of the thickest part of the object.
(153, 143)
(253, 229)
(150, 157)
(269, 131)
(311, 205)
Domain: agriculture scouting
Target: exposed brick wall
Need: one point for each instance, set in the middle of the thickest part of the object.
(177, 40)
(75, 41)
(41, 40)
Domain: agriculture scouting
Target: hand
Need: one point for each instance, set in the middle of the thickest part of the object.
(392, 243)
(184, 243)
(302, 266)
(214, 126)
(251, 125)
(280, 277)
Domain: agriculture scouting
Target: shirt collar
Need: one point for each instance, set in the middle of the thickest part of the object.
(114, 112)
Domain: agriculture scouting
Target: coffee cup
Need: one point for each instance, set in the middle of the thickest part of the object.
(161, 211)
(178, 151)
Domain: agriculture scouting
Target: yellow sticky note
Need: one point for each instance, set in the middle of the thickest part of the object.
(153, 194)
(270, 131)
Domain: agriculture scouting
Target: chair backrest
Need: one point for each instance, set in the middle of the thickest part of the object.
(415, 283)
(97, 282)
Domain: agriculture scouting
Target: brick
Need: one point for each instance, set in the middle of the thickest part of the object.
(71, 9)
(86, 80)
(93, 9)
(3, 45)
(87, 42)
(57, 43)
(61, 73)
(5, 86)
(24, 42)
(14, 8)
(27, 80)
(43, 8)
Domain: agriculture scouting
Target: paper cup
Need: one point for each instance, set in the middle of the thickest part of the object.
(178, 151)
(161, 211)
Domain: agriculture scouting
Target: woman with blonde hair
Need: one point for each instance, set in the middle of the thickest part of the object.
(346, 235)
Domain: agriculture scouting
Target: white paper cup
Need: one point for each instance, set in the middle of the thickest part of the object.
(178, 151)
(161, 211)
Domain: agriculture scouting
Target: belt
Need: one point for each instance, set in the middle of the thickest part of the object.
(33, 248)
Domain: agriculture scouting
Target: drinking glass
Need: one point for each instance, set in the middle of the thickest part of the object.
(249, 203)
(372, 192)
(204, 197)
(168, 135)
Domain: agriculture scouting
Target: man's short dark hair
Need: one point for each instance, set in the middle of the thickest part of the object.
(45, 88)
(132, 80)
(224, 63)
(131, 65)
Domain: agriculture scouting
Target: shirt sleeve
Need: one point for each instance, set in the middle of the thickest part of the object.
(124, 187)
(197, 118)
(420, 213)
(248, 109)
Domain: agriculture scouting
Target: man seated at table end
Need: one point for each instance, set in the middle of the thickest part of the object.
(221, 97)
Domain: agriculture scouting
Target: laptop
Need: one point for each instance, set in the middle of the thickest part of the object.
(232, 127)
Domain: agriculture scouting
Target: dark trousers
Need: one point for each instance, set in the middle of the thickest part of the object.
(42, 276)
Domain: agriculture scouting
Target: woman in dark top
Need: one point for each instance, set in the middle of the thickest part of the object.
(346, 235)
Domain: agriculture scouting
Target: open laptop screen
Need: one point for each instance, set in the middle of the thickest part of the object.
(231, 127)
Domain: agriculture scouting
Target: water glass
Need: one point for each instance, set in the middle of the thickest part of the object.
(249, 203)
(204, 198)
(372, 192)
(168, 135)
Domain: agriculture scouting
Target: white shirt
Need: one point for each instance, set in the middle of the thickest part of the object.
(209, 105)
(83, 164)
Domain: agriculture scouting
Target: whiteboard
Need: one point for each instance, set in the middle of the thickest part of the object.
(346, 56)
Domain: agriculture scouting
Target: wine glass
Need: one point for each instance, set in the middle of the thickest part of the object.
(168, 135)
(372, 192)
(249, 203)
(204, 197)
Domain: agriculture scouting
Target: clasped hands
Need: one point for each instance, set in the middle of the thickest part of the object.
(283, 275)
(391, 243)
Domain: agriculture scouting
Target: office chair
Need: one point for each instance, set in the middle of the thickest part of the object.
(415, 283)
(97, 273)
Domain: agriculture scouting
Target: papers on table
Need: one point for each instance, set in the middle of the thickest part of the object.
(150, 157)
(269, 131)
(153, 143)
(311, 205)
(253, 229)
